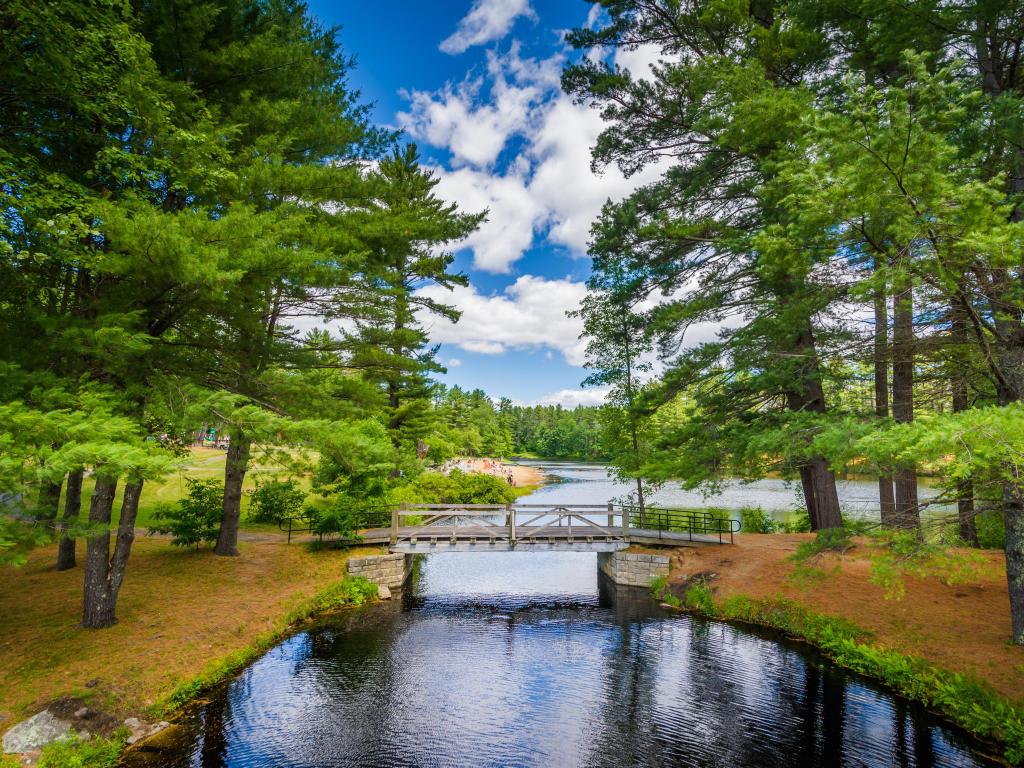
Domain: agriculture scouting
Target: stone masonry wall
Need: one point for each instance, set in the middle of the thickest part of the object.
(386, 570)
(632, 569)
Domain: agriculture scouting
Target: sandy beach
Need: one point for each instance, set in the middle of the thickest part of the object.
(521, 475)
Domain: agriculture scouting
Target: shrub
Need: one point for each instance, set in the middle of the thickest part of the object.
(275, 500)
(991, 530)
(756, 520)
(798, 522)
(195, 518)
(455, 488)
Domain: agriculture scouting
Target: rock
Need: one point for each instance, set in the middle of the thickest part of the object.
(383, 592)
(133, 723)
(92, 683)
(36, 732)
(83, 713)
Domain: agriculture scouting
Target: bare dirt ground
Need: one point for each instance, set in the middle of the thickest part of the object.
(963, 627)
(179, 611)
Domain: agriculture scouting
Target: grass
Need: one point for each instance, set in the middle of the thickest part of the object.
(183, 615)
(969, 703)
(201, 464)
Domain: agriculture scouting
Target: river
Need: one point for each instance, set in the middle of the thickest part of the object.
(580, 483)
(529, 659)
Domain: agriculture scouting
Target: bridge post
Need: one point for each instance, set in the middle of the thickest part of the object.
(611, 515)
(394, 522)
(625, 522)
(511, 524)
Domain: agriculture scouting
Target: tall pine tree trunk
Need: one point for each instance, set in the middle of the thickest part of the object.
(66, 556)
(234, 476)
(818, 481)
(966, 526)
(886, 499)
(105, 574)
(907, 511)
(95, 608)
(1013, 510)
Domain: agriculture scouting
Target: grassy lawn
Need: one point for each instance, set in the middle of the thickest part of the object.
(180, 612)
(202, 464)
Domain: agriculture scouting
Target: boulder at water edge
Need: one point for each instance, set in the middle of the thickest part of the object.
(35, 733)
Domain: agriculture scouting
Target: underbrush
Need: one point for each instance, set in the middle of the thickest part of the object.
(969, 703)
(76, 752)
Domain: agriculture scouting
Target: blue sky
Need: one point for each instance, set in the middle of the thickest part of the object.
(475, 85)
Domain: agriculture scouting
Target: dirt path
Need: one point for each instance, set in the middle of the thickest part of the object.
(963, 628)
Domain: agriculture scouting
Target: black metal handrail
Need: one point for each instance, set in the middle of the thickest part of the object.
(688, 521)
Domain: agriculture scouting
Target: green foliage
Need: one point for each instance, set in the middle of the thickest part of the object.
(195, 518)
(991, 530)
(660, 590)
(756, 520)
(896, 554)
(347, 593)
(456, 487)
(826, 540)
(76, 752)
(699, 597)
(271, 501)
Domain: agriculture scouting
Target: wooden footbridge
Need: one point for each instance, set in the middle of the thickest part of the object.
(428, 528)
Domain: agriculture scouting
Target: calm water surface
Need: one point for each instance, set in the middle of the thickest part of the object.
(591, 484)
(527, 659)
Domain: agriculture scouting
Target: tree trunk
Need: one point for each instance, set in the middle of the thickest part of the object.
(966, 526)
(96, 611)
(819, 482)
(826, 498)
(66, 556)
(104, 574)
(1013, 507)
(234, 475)
(907, 511)
(49, 501)
(886, 499)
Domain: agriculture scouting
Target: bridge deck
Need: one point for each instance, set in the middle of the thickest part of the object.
(577, 538)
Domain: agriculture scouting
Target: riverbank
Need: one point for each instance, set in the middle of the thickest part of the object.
(186, 618)
(959, 632)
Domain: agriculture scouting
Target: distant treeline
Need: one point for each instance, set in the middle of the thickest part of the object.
(476, 426)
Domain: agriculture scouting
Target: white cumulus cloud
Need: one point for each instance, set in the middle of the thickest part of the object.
(527, 315)
(487, 20)
(547, 189)
(572, 398)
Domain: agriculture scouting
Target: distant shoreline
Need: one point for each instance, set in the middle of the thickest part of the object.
(523, 476)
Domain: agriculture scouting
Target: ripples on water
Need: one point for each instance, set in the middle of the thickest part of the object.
(524, 659)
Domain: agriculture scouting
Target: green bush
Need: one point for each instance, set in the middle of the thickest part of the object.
(991, 530)
(799, 522)
(455, 488)
(756, 520)
(195, 518)
(275, 500)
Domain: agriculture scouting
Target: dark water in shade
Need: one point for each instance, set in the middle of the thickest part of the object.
(525, 659)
